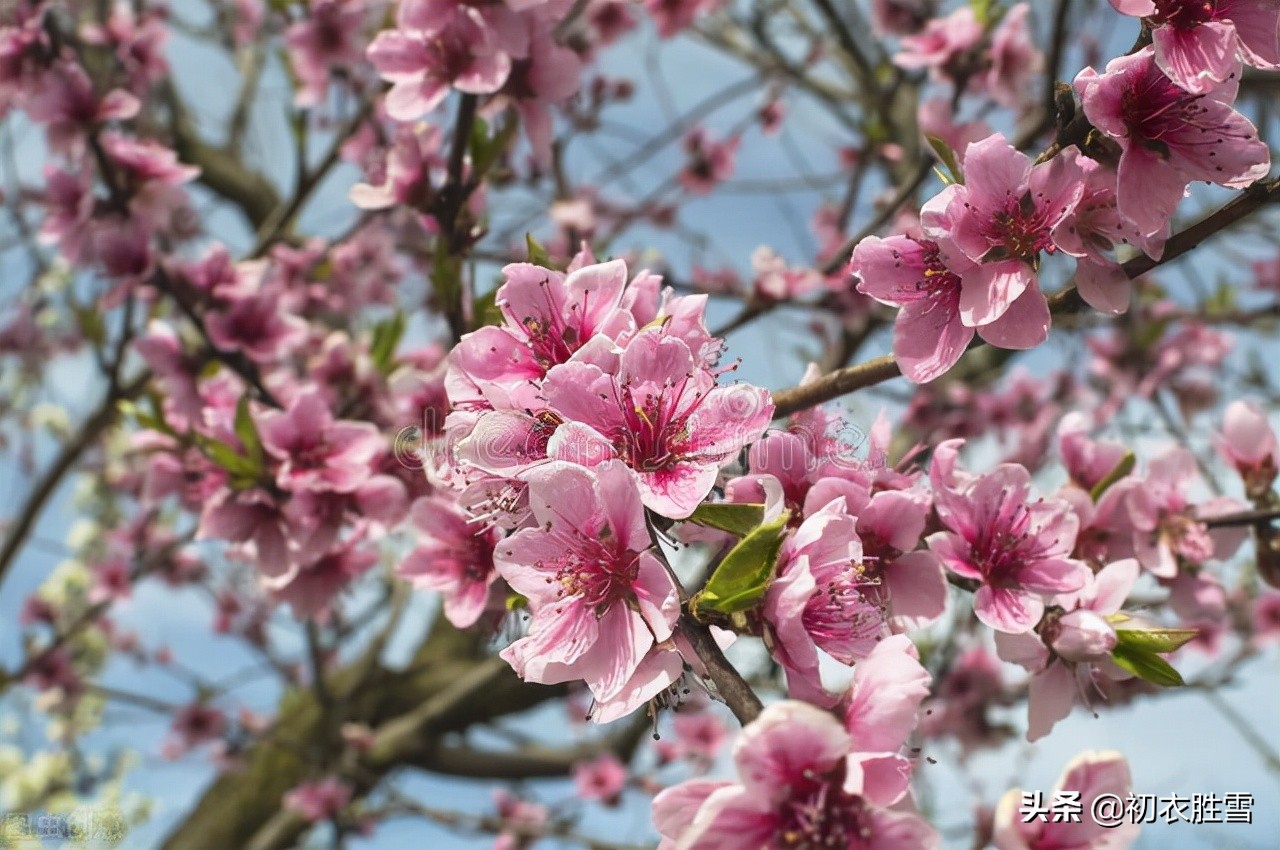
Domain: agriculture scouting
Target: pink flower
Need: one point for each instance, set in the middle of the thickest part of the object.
(1091, 234)
(881, 707)
(550, 74)
(252, 322)
(972, 685)
(1248, 443)
(1197, 43)
(901, 17)
(1266, 618)
(920, 277)
(67, 105)
(454, 558)
(139, 46)
(318, 801)
(315, 451)
(776, 281)
(800, 786)
(1003, 217)
(1169, 138)
(673, 16)
(1090, 775)
(312, 587)
(598, 597)
(699, 735)
(112, 581)
(1088, 461)
(602, 779)
(819, 601)
(404, 175)
(942, 41)
(1081, 639)
(433, 50)
(194, 724)
(523, 817)
(328, 38)
(711, 161)
(661, 413)
(548, 318)
(1015, 60)
(1017, 552)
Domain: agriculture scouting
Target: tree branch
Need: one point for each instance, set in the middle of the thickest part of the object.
(881, 369)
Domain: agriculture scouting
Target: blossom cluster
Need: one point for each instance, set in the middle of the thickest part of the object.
(971, 266)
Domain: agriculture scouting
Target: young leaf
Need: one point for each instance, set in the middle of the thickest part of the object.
(537, 254)
(744, 574)
(1146, 665)
(948, 158)
(1155, 640)
(248, 432)
(386, 336)
(737, 519)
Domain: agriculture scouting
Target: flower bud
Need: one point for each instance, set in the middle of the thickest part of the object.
(1083, 635)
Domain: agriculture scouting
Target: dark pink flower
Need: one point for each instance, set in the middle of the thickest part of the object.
(602, 779)
(253, 323)
(599, 599)
(1266, 618)
(1198, 42)
(802, 784)
(194, 724)
(433, 50)
(901, 17)
(455, 558)
(941, 42)
(548, 318)
(318, 801)
(1018, 552)
(661, 413)
(328, 38)
(710, 161)
(1169, 137)
(313, 586)
(65, 102)
(1003, 218)
(317, 452)
(821, 600)
(1015, 59)
(673, 16)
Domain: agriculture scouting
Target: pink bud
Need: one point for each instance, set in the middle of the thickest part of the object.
(1083, 635)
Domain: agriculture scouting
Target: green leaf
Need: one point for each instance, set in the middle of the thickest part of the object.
(247, 431)
(1155, 640)
(948, 158)
(537, 254)
(91, 325)
(1123, 468)
(1146, 665)
(733, 518)
(386, 336)
(152, 418)
(486, 149)
(745, 573)
(245, 472)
